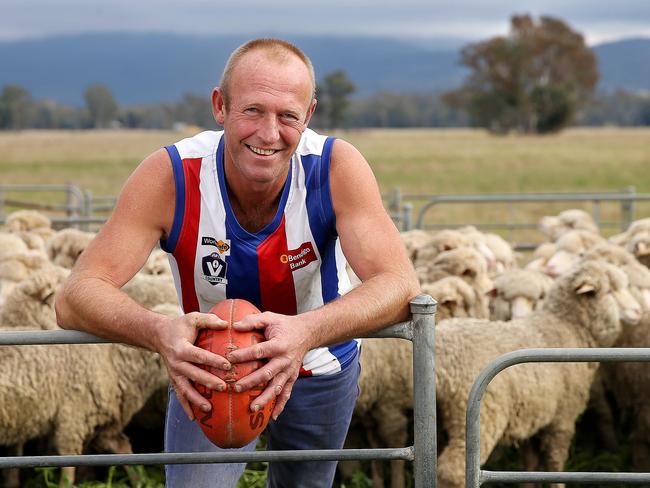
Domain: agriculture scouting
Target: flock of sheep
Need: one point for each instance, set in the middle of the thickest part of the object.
(579, 290)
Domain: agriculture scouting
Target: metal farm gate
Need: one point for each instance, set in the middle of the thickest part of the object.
(419, 330)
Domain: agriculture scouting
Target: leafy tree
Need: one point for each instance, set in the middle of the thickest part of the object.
(533, 80)
(16, 107)
(101, 105)
(334, 92)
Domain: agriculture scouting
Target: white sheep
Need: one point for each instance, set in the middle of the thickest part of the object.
(553, 227)
(11, 243)
(467, 264)
(27, 220)
(517, 293)
(151, 290)
(65, 246)
(17, 267)
(584, 308)
(454, 296)
(157, 263)
(76, 394)
(541, 255)
(414, 240)
(569, 247)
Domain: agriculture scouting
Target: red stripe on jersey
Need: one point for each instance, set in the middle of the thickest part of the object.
(276, 280)
(185, 252)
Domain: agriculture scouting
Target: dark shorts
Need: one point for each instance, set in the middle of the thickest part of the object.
(317, 416)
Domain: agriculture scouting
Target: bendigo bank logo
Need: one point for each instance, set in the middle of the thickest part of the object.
(299, 258)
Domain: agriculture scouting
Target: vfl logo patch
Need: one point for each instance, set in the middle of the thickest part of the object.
(299, 258)
(214, 265)
(214, 269)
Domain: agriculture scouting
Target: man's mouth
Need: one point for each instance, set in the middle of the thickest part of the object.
(262, 152)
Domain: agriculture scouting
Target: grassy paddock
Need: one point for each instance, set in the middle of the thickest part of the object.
(417, 161)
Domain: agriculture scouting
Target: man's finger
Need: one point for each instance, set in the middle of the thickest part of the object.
(282, 400)
(187, 395)
(206, 321)
(198, 355)
(261, 350)
(201, 376)
(253, 321)
(270, 392)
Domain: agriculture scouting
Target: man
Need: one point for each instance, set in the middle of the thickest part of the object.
(267, 211)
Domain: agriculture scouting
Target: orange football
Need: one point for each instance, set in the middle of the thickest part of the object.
(231, 423)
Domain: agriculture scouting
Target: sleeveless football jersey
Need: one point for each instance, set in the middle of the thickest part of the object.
(292, 265)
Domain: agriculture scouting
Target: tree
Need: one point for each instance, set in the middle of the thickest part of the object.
(16, 107)
(101, 105)
(533, 80)
(334, 92)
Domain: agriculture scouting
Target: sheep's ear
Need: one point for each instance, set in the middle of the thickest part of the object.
(492, 293)
(447, 302)
(468, 272)
(586, 288)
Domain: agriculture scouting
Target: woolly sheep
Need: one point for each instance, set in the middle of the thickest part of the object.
(574, 219)
(570, 246)
(151, 290)
(454, 296)
(17, 267)
(157, 263)
(517, 293)
(481, 244)
(541, 255)
(414, 240)
(65, 247)
(467, 264)
(27, 220)
(444, 240)
(584, 308)
(639, 245)
(503, 253)
(75, 393)
(11, 244)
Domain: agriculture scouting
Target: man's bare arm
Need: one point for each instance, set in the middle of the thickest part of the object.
(91, 299)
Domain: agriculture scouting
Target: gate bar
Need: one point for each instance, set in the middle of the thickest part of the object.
(474, 476)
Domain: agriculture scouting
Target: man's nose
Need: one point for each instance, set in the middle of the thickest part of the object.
(268, 130)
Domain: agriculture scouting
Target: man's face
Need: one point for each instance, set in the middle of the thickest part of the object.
(270, 106)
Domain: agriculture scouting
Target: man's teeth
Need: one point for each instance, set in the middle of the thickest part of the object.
(262, 152)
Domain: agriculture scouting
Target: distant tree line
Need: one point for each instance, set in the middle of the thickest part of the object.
(539, 78)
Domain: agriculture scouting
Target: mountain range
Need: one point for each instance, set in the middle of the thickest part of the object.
(152, 68)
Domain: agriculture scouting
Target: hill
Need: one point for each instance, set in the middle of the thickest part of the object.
(152, 68)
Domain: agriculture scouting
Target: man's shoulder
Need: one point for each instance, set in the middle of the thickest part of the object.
(199, 145)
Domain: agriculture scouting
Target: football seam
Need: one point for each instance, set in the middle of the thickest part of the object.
(230, 402)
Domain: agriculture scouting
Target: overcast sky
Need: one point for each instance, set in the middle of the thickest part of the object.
(598, 20)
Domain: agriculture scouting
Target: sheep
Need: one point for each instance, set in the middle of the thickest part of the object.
(517, 293)
(541, 255)
(639, 245)
(157, 264)
(570, 246)
(414, 240)
(505, 258)
(76, 394)
(385, 399)
(11, 244)
(584, 308)
(444, 240)
(574, 219)
(65, 247)
(454, 296)
(467, 264)
(14, 268)
(151, 290)
(27, 220)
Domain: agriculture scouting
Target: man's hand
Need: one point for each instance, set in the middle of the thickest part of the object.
(181, 357)
(286, 344)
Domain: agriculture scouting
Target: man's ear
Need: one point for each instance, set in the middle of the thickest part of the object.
(218, 105)
(310, 112)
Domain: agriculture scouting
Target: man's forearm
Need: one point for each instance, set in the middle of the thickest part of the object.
(379, 301)
(94, 306)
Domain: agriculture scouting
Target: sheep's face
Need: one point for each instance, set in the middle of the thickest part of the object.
(603, 295)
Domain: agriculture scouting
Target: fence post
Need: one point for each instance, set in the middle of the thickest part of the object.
(407, 216)
(627, 210)
(423, 309)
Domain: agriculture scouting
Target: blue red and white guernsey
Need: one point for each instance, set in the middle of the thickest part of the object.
(293, 265)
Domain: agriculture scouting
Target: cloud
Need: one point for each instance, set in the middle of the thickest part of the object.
(467, 19)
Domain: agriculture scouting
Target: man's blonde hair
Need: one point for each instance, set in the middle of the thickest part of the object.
(276, 49)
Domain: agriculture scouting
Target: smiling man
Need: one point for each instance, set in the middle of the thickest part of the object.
(270, 212)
